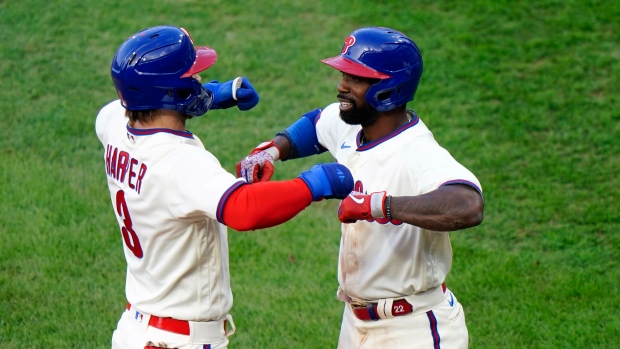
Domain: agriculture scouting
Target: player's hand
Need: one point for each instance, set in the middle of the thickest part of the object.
(328, 181)
(223, 97)
(247, 97)
(359, 206)
(258, 166)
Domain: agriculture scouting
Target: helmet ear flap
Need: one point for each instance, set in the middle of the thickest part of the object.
(381, 99)
(194, 102)
(384, 97)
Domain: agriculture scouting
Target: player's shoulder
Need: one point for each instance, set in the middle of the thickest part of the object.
(111, 107)
(112, 110)
(417, 143)
(190, 154)
(420, 133)
(192, 162)
(330, 115)
(331, 110)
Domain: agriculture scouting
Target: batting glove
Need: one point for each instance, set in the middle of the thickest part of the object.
(258, 166)
(247, 97)
(328, 181)
(359, 206)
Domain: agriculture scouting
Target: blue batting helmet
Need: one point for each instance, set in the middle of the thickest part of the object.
(153, 70)
(384, 54)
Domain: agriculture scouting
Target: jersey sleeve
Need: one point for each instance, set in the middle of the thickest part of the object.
(264, 204)
(433, 167)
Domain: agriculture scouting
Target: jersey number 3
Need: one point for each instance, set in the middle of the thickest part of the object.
(129, 235)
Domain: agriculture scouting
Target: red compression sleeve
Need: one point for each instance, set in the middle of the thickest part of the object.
(265, 204)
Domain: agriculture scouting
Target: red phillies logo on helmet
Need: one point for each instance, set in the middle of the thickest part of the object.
(348, 42)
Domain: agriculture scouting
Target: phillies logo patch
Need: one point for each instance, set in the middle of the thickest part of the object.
(348, 42)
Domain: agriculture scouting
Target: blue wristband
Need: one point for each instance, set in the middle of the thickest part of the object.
(222, 94)
(328, 181)
(302, 136)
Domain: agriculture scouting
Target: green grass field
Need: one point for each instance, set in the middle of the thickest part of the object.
(524, 93)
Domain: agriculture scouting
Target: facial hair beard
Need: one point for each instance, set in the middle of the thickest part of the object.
(365, 116)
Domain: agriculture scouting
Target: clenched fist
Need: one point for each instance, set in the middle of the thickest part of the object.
(258, 166)
(359, 206)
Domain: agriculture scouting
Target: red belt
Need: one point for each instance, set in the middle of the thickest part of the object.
(167, 323)
(399, 308)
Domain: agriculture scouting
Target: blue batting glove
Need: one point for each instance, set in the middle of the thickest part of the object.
(222, 94)
(247, 97)
(328, 181)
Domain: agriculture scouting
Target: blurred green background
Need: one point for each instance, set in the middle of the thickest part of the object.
(523, 93)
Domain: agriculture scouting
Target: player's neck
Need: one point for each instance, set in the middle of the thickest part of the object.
(162, 118)
(387, 123)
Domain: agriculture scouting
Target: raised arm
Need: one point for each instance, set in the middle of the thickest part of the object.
(266, 204)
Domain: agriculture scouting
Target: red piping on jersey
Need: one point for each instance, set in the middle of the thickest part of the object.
(224, 198)
(152, 131)
(464, 182)
(414, 121)
(264, 204)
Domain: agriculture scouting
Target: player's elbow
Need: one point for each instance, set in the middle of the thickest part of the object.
(467, 212)
(244, 224)
(474, 215)
(475, 218)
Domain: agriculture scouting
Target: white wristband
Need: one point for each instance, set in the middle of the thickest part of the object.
(274, 152)
(376, 204)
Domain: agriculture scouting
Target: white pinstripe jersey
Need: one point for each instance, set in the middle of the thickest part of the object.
(165, 190)
(380, 259)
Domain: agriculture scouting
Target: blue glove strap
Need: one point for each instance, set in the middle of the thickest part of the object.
(247, 95)
(328, 181)
(317, 181)
(222, 94)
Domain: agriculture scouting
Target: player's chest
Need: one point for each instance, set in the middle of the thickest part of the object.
(376, 171)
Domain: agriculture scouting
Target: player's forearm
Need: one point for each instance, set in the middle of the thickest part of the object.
(448, 208)
(266, 204)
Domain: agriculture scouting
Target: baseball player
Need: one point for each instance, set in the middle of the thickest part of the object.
(409, 193)
(173, 200)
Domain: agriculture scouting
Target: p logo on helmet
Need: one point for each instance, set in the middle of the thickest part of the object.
(348, 42)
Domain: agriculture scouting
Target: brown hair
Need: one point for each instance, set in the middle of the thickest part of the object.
(147, 115)
(139, 115)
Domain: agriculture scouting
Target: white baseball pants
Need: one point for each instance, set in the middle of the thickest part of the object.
(133, 332)
(439, 327)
